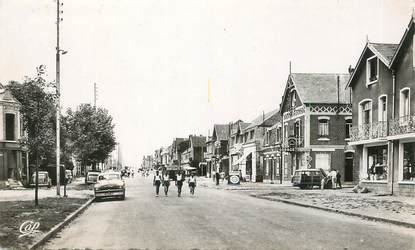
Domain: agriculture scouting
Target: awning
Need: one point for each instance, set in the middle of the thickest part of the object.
(240, 160)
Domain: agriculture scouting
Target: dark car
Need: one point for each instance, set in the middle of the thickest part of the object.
(308, 178)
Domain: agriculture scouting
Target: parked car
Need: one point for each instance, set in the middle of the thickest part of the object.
(110, 184)
(91, 177)
(43, 179)
(68, 176)
(308, 178)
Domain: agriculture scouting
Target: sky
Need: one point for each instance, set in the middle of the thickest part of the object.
(152, 59)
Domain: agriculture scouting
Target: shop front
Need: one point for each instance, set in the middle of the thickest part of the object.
(375, 168)
(406, 168)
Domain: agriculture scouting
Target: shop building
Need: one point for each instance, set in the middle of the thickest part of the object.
(316, 119)
(383, 131)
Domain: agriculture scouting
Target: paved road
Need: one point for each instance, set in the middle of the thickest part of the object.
(220, 219)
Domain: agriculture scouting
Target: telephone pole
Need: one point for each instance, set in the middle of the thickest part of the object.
(58, 96)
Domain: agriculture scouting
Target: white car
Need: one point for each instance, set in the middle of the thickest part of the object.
(91, 177)
(110, 184)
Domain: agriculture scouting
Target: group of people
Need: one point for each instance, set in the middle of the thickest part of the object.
(164, 179)
(335, 178)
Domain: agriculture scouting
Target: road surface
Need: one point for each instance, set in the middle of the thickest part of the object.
(220, 219)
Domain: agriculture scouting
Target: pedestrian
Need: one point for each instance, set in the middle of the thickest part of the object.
(338, 178)
(179, 183)
(157, 182)
(217, 176)
(192, 183)
(166, 182)
(333, 175)
(240, 175)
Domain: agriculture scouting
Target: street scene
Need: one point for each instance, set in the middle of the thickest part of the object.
(218, 124)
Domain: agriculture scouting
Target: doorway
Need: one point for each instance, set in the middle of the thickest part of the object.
(348, 167)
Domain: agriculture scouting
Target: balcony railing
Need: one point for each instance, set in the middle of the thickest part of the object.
(297, 140)
(402, 125)
(375, 130)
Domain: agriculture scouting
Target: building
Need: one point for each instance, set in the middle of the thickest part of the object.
(193, 155)
(270, 153)
(147, 163)
(235, 146)
(217, 153)
(383, 131)
(316, 117)
(13, 155)
(178, 146)
(250, 161)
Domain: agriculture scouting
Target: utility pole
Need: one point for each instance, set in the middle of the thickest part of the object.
(58, 104)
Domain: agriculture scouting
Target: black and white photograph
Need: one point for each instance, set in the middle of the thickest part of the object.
(207, 124)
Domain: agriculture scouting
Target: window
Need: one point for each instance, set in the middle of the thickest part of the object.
(293, 98)
(382, 109)
(323, 126)
(377, 163)
(365, 112)
(10, 127)
(286, 130)
(372, 70)
(408, 162)
(323, 161)
(278, 134)
(404, 108)
(348, 127)
(297, 129)
(251, 135)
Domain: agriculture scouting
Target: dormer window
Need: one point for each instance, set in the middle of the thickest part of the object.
(372, 70)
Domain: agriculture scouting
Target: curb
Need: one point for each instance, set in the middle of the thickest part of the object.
(59, 226)
(332, 210)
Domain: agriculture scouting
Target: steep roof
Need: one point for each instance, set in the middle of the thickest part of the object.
(405, 36)
(222, 131)
(260, 119)
(384, 51)
(198, 141)
(321, 88)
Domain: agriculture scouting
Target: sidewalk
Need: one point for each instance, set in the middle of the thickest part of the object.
(395, 209)
(76, 189)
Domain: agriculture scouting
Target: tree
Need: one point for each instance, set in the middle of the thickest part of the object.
(37, 108)
(91, 133)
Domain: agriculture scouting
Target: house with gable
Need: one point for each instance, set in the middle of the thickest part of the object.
(13, 155)
(193, 155)
(253, 135)
(235, 143)
(316, 117)
(217, 154)
(383, 133)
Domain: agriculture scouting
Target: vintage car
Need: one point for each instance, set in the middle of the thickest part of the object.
(43, 179)
(308, 178)
(110, 184)
(92, 177)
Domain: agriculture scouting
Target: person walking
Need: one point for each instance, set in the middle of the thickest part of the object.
(166, 182)
(192, 183)
(179, 183)
(217, 176)
(157, 182)
(338, 178)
